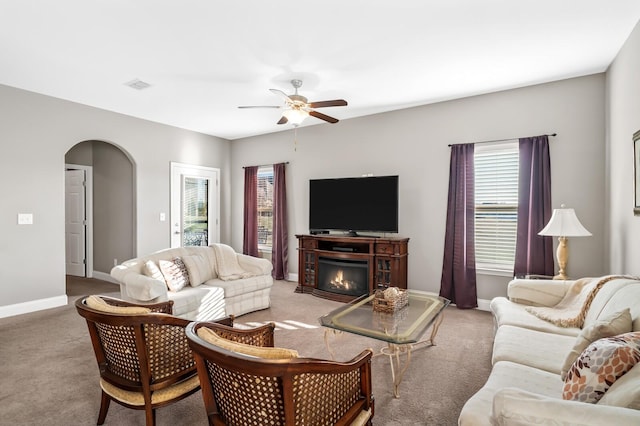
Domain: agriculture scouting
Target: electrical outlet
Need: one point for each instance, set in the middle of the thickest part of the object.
(163, 217)
(25, 219)
(115, 262)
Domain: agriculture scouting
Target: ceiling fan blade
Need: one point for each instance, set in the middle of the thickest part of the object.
(260, 106)
(322, 116)
(283, 120)
(281, 93)
(323, 104)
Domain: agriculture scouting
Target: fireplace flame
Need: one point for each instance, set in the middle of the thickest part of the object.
(339, 282)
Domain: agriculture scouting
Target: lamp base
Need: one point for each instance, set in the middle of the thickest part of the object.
(562, 254)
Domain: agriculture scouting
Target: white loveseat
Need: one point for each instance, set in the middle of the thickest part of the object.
(208, 295)
(526, 386)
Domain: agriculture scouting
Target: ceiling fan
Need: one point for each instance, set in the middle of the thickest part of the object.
(297, 108)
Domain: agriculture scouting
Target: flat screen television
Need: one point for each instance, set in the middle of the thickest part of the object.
(367, 204)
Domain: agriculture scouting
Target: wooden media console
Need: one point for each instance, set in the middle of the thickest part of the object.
(386, 260)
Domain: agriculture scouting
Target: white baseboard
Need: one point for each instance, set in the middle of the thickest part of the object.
(483, 305)
(32, 306)
(292, 277)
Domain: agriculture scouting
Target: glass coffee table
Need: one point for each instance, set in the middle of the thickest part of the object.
(401, 330)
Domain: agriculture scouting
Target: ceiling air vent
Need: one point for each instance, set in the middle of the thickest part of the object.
(137, 84)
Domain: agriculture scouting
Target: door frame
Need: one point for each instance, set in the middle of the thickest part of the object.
(179, 169)
(88, 205)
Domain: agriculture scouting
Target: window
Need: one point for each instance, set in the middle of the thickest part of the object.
(265, 207)
(496, 205)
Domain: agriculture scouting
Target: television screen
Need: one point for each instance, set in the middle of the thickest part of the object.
(354, 204)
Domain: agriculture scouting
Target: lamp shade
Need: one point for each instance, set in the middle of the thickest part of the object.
(564, 223)
(295, 116)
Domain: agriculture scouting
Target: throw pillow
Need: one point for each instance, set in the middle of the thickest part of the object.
(625, 392)
(199, 268)
(600, 365)
(152, 270)
(210, 336)
(99, 304)
(175, 273)
(611, 325)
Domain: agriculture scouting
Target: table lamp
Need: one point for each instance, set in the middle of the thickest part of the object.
(564, 223)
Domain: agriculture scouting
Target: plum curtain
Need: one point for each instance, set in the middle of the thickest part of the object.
(250, 240)
(280, 244)
(458, 282)
(534, 253)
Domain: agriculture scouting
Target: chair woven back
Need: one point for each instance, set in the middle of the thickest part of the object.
(249, 391)
(125, 345)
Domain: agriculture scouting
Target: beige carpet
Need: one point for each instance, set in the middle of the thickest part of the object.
(49, 373)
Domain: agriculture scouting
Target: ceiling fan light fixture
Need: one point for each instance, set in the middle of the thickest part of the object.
(295, 116)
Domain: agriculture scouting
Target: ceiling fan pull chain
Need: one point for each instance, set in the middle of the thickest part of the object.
(295, 139)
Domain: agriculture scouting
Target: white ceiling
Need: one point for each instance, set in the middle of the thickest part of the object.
(203, 58)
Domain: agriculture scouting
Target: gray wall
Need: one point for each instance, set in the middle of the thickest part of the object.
(414, 144)
(623, 119)
(36, 131)
(114, 207)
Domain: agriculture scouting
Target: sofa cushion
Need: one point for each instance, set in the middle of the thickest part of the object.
(611, 325)
(476, 411)
(242, 286)
(600, 365)
(506, 312)
(531, 347)
(175, 273)
(199, 268)
(202, 303)
(210, 336)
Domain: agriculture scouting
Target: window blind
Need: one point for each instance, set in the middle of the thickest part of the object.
(496, 205)
(265, 206)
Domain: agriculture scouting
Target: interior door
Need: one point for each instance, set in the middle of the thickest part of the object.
(75, 223)
(194, 205)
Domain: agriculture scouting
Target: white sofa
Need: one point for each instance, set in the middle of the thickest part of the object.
(208, 296)
(525, 385)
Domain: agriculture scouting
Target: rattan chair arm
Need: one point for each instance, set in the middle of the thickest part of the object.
(165, 307)
(259, 336)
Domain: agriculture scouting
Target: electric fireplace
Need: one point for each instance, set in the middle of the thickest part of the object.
(343, 276)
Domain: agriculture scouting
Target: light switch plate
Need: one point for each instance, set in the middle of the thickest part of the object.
(25, 219)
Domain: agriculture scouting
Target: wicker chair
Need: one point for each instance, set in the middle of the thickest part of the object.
(247, 390)
(143, 356)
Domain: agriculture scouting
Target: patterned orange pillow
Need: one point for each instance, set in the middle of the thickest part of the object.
(600, 365)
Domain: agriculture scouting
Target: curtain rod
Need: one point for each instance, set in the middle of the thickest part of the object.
(263, 165)
(502, 140)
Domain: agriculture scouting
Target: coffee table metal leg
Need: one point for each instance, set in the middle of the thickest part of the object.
(326, 341)
(393, 352)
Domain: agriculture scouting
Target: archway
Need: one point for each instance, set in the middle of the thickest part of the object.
(113, 217)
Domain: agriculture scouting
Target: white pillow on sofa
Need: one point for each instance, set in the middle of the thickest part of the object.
(152, 270)
(611, 325)
(199, 269)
